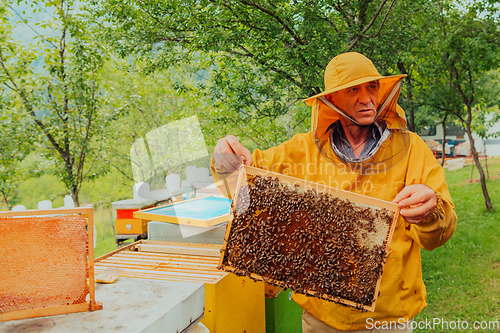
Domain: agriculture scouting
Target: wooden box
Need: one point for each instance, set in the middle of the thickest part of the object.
(131, 226)
(201, 212)
(232, 303)
(316, 240)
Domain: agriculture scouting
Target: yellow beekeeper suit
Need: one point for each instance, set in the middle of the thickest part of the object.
(402, 291)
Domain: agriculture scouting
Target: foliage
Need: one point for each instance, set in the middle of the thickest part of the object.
(15, 144)
(15, 133)
(464, 49)
(147, 102)
(63, 101)
(486, 112)
(260, 58)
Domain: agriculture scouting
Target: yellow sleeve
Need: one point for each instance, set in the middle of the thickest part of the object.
(277, 159)
(423, 168)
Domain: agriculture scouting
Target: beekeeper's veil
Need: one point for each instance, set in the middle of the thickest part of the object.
(348, 70)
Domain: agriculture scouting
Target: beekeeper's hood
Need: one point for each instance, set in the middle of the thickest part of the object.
(348, 70)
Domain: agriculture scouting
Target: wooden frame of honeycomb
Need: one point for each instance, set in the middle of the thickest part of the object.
(47, 263)
(297, 234)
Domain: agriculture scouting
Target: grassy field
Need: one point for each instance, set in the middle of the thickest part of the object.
(105, 225)
(463, 276)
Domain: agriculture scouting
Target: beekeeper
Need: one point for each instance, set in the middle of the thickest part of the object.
(359, 142)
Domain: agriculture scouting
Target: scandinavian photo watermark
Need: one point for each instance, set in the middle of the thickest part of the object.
(433, 324)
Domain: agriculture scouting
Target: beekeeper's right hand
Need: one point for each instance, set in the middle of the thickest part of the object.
(229, 154)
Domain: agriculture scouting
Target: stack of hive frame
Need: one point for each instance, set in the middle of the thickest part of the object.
(232, 303)
(47, 263)
(316, 240)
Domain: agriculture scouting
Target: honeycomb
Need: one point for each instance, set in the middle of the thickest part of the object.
(312, 242)
(44, 262)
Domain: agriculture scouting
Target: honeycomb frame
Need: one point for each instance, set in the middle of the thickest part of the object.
(62, 256)
(256, 262)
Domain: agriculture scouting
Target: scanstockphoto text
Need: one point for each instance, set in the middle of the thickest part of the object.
(439, 324)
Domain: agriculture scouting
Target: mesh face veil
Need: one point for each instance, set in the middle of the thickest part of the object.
(348, 70)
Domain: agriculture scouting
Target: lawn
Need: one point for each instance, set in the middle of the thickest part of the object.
(463, 276)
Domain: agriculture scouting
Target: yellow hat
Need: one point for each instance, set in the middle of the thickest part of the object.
(348, 70)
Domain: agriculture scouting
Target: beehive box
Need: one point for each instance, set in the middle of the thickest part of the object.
(232, 303)
(45, 263)
(316, 240)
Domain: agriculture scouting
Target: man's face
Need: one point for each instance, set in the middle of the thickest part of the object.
(360, 102)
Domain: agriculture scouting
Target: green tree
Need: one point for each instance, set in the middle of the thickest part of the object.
(63, 102)
(15, 144)
(262, 57)
(15, 133)
(148, 102)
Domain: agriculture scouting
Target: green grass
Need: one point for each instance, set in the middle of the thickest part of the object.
(463, 276)
(104, 225)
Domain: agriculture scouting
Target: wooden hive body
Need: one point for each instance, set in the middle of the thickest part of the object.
(232, 303)
(316, 240)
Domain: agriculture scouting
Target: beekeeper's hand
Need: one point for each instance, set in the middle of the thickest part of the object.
(229, 154)
(416, 202)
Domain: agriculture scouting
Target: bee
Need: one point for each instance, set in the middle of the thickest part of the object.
(306, 240)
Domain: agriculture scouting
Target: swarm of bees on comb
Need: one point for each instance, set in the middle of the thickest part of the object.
(312, 242)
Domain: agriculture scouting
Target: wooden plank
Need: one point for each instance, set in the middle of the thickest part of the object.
(241, 178)
(180, 244)
(272, 291)
(183, 220)
(129, 247)
(174, 219)
(40, 312)
(150, 276)
(90, 262)
(201, 275)
(177, 266)
(108, 275)
(305, 184)
(156, 262)
(159, 256)
(133, 261)
(171, 275)
(57, 211)
(160, 269)
(174, 249)
(148, 215)
(172, 204)
(163, 266)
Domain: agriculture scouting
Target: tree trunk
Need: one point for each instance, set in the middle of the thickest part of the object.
(443, 123)
(102, 220)
(471, 172)
(409, 97)
(409, 100)
(74, 195)
(475, 156)
(6, 200)
(486, 161)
